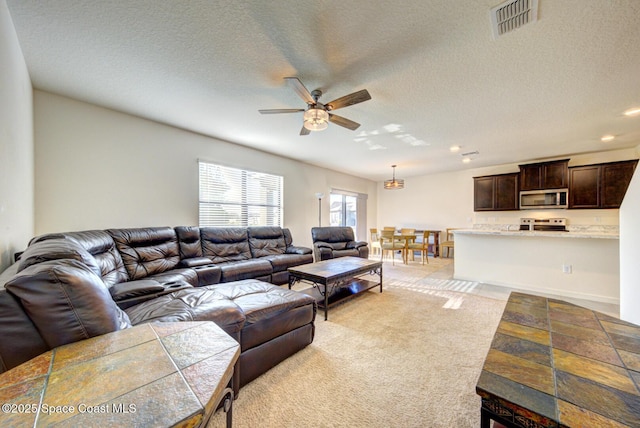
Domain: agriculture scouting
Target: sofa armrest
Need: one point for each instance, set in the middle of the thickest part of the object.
(298, 250)
(126, 290)
(194, 261)
(356, 244)
(130, 293)
(359, 244)
(208, 274)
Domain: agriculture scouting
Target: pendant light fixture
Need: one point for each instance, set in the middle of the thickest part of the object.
(394, 183)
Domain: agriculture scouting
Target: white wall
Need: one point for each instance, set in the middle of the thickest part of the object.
(16, 144)
(97, 168)
(440, 201)
(535, 263)
(630, 251)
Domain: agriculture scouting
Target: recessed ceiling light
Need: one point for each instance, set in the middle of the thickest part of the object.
(632, 111)
(607, 138)
(454, 149)
(466, 160)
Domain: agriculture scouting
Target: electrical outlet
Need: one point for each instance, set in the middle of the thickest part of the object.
(566, 268)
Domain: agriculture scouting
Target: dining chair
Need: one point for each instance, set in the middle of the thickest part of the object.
(388, 242)
(448, 242)
(374, 241)
(408, 236)
(407, 231)
(394, 230)
(423, 246)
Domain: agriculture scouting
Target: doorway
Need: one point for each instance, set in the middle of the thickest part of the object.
(348, 209)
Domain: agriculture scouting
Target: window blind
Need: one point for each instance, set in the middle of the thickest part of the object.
(236, 197)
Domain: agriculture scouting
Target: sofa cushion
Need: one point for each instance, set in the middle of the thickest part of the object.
(247, 269)
(196, 304)
(336, 246)
(103, 249)
(56, 249)
(66, 301)
(332, 234)
(189, 242)
(270, 310)
(147, 251)
(345, 253)
(194, 262)
(266, 241)
(225, 244)
(282, 262)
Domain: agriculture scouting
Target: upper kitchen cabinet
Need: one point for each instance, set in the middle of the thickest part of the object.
(545, 175)
(600, 185)
(584, 186)
(495, 192)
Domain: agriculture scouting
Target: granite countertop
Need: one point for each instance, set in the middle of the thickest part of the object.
(511, 230)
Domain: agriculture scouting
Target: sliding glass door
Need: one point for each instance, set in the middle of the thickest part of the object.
(349, 209)
(344, 210)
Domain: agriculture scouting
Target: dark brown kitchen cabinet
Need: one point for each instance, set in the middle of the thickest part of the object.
(600, 185)
(544, 175)
(495, 192)
(584, 186)
(614, 181)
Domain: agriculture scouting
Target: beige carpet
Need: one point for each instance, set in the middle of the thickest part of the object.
(409, 357)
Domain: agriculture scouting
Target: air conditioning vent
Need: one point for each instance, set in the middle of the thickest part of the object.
(512, 15)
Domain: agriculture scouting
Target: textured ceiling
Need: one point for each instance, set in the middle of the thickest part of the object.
(436, 76)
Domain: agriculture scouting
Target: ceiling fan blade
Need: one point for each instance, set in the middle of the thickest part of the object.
(348, 100)
(281, 110)
(302, 92)
(304, 131)
(343, 121)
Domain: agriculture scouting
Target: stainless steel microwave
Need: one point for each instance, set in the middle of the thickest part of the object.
(544, 199)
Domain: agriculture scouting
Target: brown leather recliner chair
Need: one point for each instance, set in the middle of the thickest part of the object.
(333, 242)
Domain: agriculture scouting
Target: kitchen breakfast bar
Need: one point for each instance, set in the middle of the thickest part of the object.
(577, 264)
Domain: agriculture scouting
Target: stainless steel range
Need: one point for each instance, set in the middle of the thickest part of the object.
(544, 224)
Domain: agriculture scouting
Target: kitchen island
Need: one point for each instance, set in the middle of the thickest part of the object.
(578, 264)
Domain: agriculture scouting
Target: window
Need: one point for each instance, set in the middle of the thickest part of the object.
(236, 197)
(348, 209)
(343, 210)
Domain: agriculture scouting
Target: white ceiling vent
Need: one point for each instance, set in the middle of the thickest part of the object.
(511, 15)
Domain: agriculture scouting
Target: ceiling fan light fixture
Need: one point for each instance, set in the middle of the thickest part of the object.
(316, 119)
(394, 183)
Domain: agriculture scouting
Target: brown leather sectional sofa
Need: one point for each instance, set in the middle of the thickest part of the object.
(67, 287)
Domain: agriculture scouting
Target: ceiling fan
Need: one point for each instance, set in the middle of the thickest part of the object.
(316, 115)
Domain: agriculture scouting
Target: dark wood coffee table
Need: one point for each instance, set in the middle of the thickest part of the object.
(555, 364)
(336, 280)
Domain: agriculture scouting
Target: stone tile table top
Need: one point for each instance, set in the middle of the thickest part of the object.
(157, 374)
(336, 280)
(555, 364)
(334, 270)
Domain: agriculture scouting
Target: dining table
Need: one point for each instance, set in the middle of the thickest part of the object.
(412, 237)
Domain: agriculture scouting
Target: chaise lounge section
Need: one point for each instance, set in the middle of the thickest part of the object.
(71, 286)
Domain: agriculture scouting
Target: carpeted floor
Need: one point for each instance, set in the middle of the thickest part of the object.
(407, 357)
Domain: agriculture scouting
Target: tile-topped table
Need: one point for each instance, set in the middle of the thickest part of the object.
(555, 364)
(336, 280)
(158, 374)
